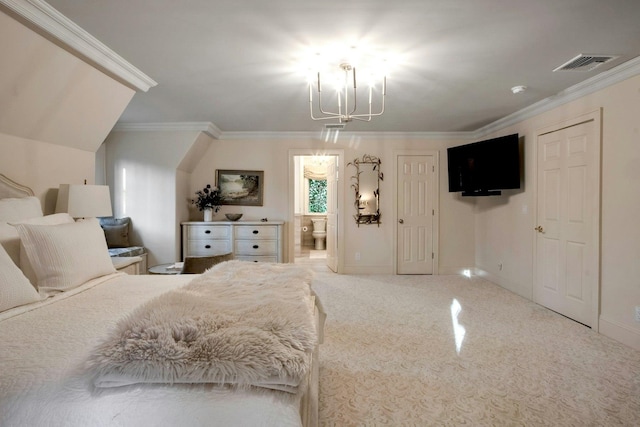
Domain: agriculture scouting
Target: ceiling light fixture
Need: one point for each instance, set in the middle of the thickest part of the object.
(518, 89)
(346, 95)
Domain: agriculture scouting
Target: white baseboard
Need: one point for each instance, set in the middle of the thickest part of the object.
(620, 332)
(453, 270)
(388, 269)
(501, 281)
(368, 269)
(606, 327)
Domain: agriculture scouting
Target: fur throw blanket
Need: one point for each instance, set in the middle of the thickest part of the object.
(240, 323)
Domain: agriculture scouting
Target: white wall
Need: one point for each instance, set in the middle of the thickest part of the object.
(43, 166)
(375, 244)
(150, 161)
(504, 231)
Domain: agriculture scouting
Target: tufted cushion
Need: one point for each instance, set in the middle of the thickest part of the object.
(116, 231)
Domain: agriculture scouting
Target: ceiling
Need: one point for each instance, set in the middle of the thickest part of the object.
(236, 63)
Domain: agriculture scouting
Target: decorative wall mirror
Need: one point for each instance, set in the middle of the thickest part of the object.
(366, 183)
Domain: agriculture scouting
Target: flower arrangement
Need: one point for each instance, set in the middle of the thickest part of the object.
(208, 198)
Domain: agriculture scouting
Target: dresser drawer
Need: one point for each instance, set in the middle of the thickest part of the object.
(256, 232)
(256, 247)
(257, 258)
(201, 232)
(208, 247)
(250, 241)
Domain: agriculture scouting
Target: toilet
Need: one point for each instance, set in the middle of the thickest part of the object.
(319, 232)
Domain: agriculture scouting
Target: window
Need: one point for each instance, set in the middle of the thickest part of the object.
(317, 196)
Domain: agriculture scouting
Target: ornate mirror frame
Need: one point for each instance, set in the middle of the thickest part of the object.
(366, 183)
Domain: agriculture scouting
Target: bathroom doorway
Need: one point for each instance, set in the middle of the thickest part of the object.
(314, 229)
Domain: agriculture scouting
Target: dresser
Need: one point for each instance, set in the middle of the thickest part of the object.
(248, 240)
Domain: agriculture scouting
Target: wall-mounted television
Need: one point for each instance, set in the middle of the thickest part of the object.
(484, 168)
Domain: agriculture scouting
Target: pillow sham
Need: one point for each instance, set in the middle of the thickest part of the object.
(10, 241)
(23, 259)
(15, 209)
(15, 288)
(65, 256)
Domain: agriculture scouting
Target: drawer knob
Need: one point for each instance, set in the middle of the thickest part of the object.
(207, 232)
(255, 246)
(207, 246)
(255, 231)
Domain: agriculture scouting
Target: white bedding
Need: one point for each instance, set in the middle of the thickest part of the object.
(44, 381)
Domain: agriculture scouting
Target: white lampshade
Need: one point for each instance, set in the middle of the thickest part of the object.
(84, 201)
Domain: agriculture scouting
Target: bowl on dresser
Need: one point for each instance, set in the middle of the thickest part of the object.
(233, 216)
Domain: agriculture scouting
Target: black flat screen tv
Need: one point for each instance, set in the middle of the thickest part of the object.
(486, 167)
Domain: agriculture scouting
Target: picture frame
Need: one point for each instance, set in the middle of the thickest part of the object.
(240, 187)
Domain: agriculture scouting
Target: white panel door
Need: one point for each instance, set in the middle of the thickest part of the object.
(415, 214)
(567, 254)
(332, 214)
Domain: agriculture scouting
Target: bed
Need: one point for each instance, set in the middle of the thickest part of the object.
(76, 352)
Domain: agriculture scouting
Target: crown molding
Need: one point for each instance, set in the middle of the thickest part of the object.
(622, 72)
(600, 81)
(206, 127)
(44, 17)
(333, 135)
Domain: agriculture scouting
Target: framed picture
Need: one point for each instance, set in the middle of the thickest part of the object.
(239, 187)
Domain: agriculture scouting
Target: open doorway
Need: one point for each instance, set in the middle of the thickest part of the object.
(314, 227)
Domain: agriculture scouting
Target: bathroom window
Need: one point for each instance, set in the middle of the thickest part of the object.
(317, 196)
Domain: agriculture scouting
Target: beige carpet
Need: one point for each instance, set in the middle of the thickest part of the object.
(390, 358)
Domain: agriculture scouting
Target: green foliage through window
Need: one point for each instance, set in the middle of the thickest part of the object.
(317, 196)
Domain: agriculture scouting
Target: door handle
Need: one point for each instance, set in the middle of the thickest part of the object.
(401, 221)
(539, 229)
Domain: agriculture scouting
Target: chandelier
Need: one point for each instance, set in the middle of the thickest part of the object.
(347, 99)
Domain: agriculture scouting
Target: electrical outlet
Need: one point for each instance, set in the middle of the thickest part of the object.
(357, 256)
(638, 313)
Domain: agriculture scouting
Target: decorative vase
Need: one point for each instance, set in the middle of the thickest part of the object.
(208, 214)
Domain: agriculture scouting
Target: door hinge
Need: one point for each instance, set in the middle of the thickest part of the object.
(433, 168)
(433, 211)
(432, 255)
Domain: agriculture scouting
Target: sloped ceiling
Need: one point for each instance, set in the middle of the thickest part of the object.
(49, 95)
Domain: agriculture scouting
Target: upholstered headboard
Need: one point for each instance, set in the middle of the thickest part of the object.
(10, 188)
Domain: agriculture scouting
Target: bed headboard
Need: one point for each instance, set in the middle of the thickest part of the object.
(10, 188)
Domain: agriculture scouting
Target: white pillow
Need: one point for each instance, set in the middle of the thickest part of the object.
(10, 241)
(24, 263)
(16, 209)
(15, 288)
(67, 255)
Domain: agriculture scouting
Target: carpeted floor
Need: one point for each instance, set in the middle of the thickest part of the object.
(391, 357)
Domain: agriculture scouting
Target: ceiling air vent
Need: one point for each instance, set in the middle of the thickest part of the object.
(338, 126)
(585, 62)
